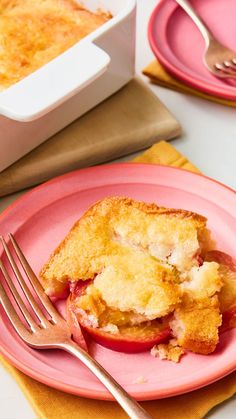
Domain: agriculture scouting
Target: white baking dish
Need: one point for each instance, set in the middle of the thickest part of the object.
(46, 101)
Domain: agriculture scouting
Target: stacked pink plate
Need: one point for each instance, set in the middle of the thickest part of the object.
(179, 46)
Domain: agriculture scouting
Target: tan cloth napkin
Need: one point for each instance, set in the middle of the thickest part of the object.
(130, 120)
(53, 404)
(157, 73)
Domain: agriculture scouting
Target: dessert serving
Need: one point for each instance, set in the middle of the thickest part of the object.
(33, 32)
(140, 277)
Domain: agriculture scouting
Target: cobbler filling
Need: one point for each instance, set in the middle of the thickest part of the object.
(97, 314)
(137, 268)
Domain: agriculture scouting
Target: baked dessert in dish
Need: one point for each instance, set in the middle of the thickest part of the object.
(139, 275)
(33, 32)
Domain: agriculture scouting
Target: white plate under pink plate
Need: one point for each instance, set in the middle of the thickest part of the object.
(42, 217)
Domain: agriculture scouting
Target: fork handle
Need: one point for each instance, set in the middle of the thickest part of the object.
(206, 33)
(130, 406)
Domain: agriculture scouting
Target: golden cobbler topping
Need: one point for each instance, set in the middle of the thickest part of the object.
(143, 263)
(33, 32)
(117, 226)
(137, 254)
(138, 282)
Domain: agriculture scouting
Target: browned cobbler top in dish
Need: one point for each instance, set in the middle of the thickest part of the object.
(33, 32)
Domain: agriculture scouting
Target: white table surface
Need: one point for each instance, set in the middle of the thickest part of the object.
(209, 140)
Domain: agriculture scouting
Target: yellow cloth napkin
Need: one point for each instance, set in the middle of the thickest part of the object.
(53, 404)
(157, 73)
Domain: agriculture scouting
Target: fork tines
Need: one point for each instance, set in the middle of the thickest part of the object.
(41, 320)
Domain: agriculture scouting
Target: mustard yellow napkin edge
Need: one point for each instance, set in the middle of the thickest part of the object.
(158, 75)
(49, 403)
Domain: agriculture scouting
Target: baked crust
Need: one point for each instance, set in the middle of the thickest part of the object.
(116, 220)
(196, 324)
(143, 259)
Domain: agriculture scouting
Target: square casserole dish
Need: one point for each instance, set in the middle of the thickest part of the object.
(49, 99)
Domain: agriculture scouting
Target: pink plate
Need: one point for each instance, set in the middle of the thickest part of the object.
(41, 218)
(179, 46)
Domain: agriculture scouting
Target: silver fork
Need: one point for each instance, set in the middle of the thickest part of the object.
(220, 60)
(54, 332)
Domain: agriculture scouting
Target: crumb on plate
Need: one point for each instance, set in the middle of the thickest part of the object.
(140, 380)
(171, 351)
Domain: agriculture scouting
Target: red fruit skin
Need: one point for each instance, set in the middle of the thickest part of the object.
(75, 328)
(58, 294)
(222, 258)
(229, 316)
(200, 260)
(228, 319)
(116, 342)
(127, 344)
